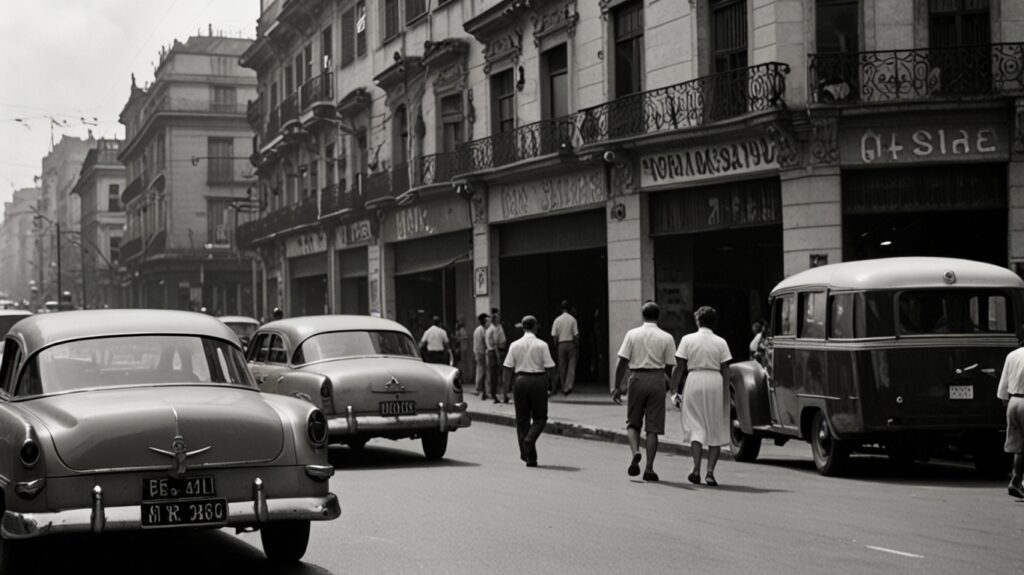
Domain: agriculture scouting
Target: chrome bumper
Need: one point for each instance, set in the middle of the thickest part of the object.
(129, 518)
(350, 424)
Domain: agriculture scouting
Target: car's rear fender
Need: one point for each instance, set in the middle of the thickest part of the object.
(308, 386)
(750, 389)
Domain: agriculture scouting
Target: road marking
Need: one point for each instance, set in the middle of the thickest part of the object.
(895, 552)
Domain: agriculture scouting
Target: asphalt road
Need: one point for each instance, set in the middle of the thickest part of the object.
(483, 511)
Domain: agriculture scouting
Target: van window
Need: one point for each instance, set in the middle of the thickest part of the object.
(873, 314)
(784, 316)
(954, 311)
(812, 315)
(840, 316)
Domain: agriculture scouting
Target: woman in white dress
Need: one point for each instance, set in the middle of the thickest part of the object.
(701, 378)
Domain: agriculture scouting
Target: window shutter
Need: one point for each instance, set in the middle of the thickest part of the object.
(348, 25)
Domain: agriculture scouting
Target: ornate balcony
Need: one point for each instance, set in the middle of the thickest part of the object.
(925, 74)
(377, 189)
(273, 125)
(302, 214)
(433, 169)
(290, 109)
(254, 113)
(318, 91)
(338, 202)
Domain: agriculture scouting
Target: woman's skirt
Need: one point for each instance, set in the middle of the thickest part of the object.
(705, 409)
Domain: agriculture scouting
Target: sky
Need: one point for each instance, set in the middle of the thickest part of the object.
(66, 66)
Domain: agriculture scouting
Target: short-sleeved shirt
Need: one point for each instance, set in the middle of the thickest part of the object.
(703, 350)
(495, 337)
(435, 338)
(1012, 379)
(648, 347)
(529, 355)
(479, 342)
(565, 328)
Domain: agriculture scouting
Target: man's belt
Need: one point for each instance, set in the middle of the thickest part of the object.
(646, 369)
(529, 373)
(1017, 395)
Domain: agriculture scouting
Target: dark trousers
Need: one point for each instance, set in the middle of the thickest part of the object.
(496, 385)
(530, 393)
(436, 357)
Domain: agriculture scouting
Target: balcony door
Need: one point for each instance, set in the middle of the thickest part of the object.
(729, 81)
(503, 100)
(960, 52)
(626, 111)
(555, 130)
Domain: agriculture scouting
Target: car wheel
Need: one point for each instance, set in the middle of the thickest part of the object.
(744, 447)
(356, 444)
(285, 542)
(435, 443)
(830, 454)
(990, 460)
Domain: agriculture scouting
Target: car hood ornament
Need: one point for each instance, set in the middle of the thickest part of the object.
(179, 450)
(393, 384)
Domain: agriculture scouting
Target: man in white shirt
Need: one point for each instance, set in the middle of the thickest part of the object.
(648, 353)
(529, 363)
(480, 354)
(497, 344)
(1011, 391)
(566, 335)
(435, 344)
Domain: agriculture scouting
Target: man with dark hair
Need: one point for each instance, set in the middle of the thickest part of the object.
(277, 313)
(480, 354)
(435, 344)
(566, 334)
(648, 353)
(529, 363)
(497, 344)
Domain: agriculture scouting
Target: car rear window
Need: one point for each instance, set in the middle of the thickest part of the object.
(955, 311)
(133, 360)
(348, 344)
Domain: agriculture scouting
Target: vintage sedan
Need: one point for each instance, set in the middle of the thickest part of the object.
(9, 317)
(117, 421)
(366, 375)
(242, 326)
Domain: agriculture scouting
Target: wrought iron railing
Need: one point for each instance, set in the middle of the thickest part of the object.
(377, 187)
(273, 124)
(433, 169)
(301, 214)
(290, 108)
(923, 74)
(317, 90)
(254, 112)
(399, 179)
(335, 200)
(131, 248)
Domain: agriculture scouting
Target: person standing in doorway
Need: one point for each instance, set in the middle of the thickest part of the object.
(435, 344)
(566, 334)
(702, 378)
(480, 354)
(530, 369)
(496, 346)
(647, 353)
(1011, 391)
(757, 344)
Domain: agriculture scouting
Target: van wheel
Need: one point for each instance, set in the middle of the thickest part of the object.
(830, 454)
(285, 542)
(435, 443)
(990, 460)
(744, 447)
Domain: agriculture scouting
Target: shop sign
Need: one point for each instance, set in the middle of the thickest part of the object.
(354, 233)
(701, 163)
(752, 203)
(427, 219)
(878, 145)
(306, 244)
(547, 195)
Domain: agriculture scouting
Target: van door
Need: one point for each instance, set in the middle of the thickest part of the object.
(810, 371)
(779, 357)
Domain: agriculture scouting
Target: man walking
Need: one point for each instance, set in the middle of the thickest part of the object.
(1011, 391)
(480, 354)
(566, 334)
(496, 346)
(529, 368)
(648, 353)
(435, 344)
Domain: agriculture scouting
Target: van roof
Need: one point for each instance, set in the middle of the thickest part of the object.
(904, 273)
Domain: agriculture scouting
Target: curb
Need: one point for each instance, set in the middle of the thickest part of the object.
(576, 431)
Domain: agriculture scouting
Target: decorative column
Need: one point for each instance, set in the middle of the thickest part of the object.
(486, 255)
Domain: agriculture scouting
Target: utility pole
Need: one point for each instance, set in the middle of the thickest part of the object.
(60, 292)
(81, 244)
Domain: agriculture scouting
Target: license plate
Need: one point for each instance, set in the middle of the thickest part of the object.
(961, 392)
(391, 408)
(180, 488)
(183, 512)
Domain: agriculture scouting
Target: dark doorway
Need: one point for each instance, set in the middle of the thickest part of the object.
(309, 296)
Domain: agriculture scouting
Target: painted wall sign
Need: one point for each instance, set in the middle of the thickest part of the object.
(306, 244)
(956, 142)
(480, 281)
(547, 195)
(354, 233)
(743, 204)
(700, 163)
(425, 219)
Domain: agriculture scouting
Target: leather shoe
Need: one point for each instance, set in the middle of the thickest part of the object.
(710, 481)
(634, 466)
(650, 475)
(1016, 489)
(531, 463)
(694, 477)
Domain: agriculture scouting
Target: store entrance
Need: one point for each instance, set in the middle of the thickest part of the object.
(309, 296)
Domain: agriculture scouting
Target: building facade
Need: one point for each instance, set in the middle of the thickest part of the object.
(99, 187)
(59, 210)
(18, 247)
(499, 153)
(188, 181)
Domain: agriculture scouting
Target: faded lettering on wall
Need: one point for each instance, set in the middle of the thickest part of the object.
(554, 194)
(710, 161)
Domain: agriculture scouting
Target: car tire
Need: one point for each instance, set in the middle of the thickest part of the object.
(744, 447)
(990, 460)
(830, 454)
(285, 542)
(356, 445)
(435, 443)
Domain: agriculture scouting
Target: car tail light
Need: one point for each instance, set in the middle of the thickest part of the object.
(457, 382)
(325, 390)
(316, 427)
(29, 453)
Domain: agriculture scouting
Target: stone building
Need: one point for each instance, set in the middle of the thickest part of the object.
(442, 158)
(18, 247)
(57, 205)
(98, 189)
(189, 182)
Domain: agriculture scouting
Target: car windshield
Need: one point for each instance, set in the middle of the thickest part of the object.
(954, 311)
(345, 344)
(133, 360)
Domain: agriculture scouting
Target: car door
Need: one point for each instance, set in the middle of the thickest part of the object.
(810, 367)
(779, 351)
(276, 364)
(259, 348)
